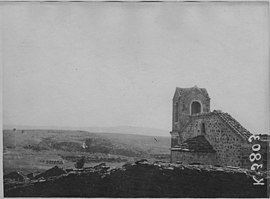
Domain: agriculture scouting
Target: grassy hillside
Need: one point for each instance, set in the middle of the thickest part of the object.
(67, 140)
(41, 149)
(113, 129)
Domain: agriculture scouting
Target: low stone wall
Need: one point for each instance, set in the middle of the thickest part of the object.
(191, 157)
(143, 179)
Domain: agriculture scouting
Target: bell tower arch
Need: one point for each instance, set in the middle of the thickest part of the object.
(187, 102)
(195, 107)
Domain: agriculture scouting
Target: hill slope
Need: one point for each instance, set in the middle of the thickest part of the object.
(68, 140)
(31, 150)
(113, 129)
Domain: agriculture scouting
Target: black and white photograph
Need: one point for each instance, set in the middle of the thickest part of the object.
(135, 99)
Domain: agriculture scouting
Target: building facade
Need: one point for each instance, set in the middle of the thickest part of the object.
(201, 136)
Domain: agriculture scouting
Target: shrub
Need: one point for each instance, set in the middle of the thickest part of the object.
(80, 163)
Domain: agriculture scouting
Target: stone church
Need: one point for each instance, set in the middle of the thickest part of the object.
(201, 136)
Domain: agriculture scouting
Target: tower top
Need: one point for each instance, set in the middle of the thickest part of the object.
(185, 91)
(188, 102)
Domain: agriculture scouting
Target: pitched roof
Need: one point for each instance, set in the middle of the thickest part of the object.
(234, 124)
(227, 119)
(183, 91)
(197, 144)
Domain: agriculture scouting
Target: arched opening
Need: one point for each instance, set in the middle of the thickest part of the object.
(195, 107)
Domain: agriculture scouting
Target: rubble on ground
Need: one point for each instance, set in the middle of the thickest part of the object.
(54, 171)
(144, 179)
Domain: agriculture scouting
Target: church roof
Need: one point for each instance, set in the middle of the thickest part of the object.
(229, 120)
(183, 91)
(234, 124)
(196, 144)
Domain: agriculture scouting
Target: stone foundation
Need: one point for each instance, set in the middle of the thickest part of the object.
(192, 157)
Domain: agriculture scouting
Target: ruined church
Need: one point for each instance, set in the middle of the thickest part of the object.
(201, 136)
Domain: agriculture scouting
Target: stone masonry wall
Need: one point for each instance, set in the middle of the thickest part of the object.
(192, 157)
(184, 103)
(228, 144)
(174, 138)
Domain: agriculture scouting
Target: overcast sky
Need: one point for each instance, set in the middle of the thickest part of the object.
(112, 64)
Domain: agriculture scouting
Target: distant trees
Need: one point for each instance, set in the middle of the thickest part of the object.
(98, 145)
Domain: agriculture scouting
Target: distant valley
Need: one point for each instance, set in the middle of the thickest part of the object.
(34, 150)
(114, 129)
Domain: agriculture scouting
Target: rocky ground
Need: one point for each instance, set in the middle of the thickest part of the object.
(139, 179)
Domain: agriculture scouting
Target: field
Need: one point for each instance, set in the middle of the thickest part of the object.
(38, 150)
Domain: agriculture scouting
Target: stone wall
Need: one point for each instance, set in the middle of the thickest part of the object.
(225, 141)
(192, 157)
(226, 135)
(246, 150)
(174, 138)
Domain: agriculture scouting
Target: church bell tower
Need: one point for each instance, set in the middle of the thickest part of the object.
(187, 102)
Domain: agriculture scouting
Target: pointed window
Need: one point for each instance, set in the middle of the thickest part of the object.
(203, 129)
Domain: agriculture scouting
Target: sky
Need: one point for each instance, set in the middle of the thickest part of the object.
(117, 64)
